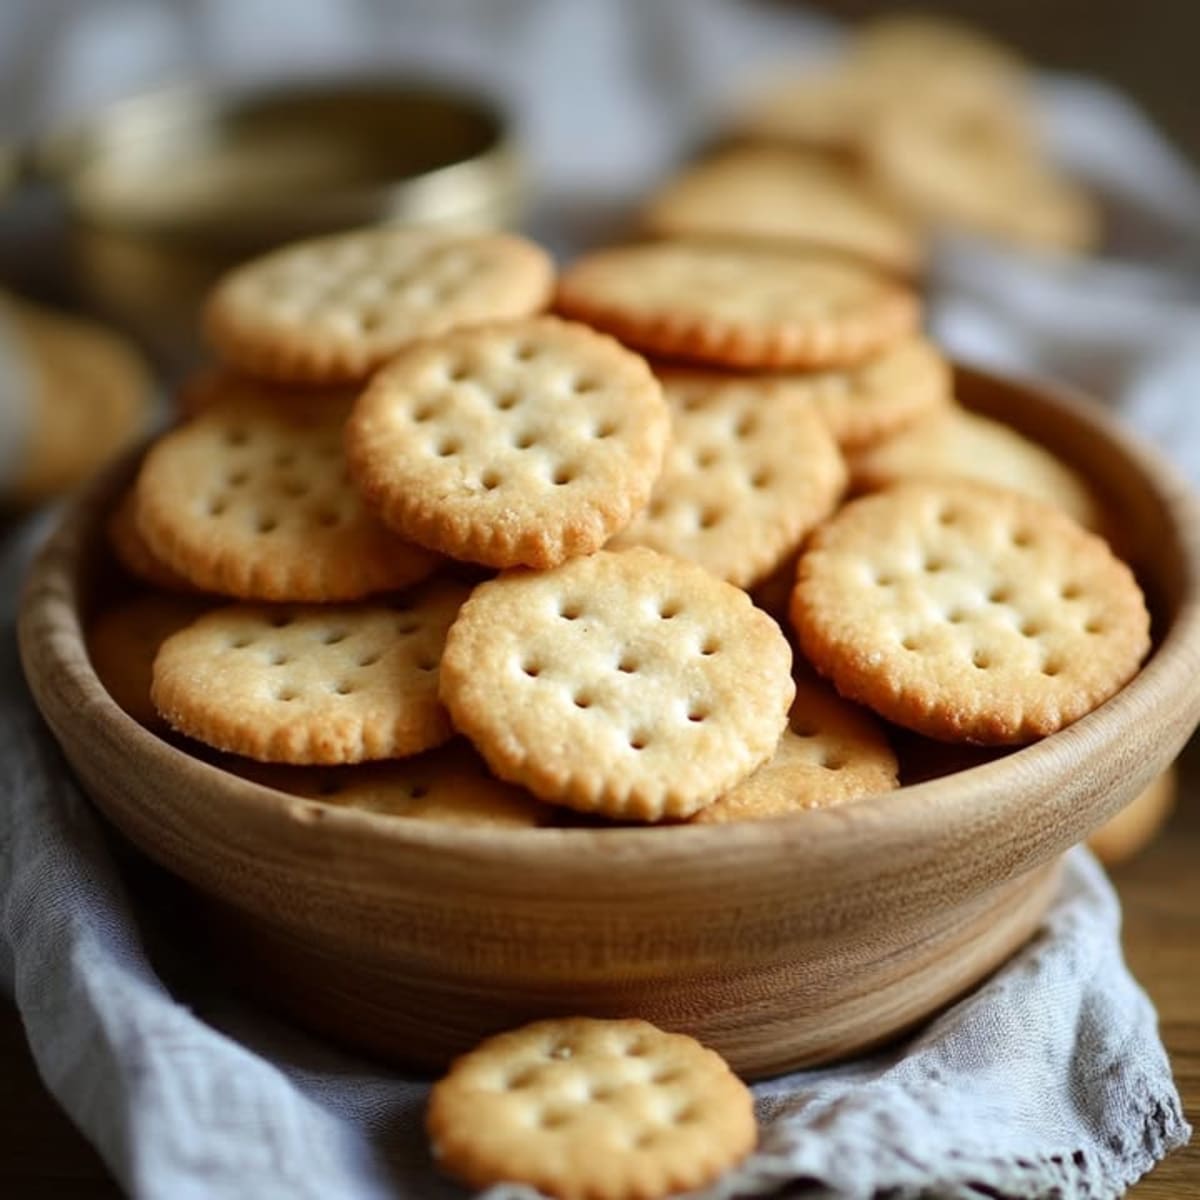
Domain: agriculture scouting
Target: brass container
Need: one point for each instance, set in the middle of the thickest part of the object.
(167, 189)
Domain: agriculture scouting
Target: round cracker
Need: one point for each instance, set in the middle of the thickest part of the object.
(581, 1108)
(874, 401)
(521, 443)
(831, 752)
(134, 554)
(122, 641)
(825, 109)
(320, 685)
(630, 684)
(748, 473)
(739, 305)
(254, 501)
(954, 166)
(450, 785)
(968, 613)
(332, 309)
(785, 195)
(955, 444)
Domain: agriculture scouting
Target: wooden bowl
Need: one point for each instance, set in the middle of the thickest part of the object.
(780, 943)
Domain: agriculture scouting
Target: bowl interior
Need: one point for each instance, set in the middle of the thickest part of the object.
(1081, 775)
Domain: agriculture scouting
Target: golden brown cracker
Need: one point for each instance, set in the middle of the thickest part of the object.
(785, 195)
(739, 305)
(450, 785)
(968, 613)
(255, 501)
(520, 443)
(324, 685)
(332, 309)
(877, 399)
(955, 444)
(627, 683)
(832, 752)
(748, 473)
(587, 1109)
(132, 552)
(123, 639)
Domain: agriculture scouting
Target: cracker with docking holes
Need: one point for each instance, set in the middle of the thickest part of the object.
(956, 444)
(879, 398)
(831, 752)
(952, 166)
(747, 475)
(968, 613)
(587, 1109)
(123, 640)
(739, 305)
(451, 785)
(525, 443)
(629, 684)
(787, 196)
(332, 309)
(318, 685)
(132, 552)
(255, 501)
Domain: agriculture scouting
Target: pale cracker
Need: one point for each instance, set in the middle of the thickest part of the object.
(519, 443)
(956, 444)
(785, 195)
(911, 48)
(739, 305)
(824, 109)
(255, 501)
(747, 475)
(131, 550)
(967, 612)
(950, 166)
(311, 685)
(123, 639)
(877, 399)
(332, 309)
(627, 683)
(450, 785)
(832, 752)
(587, 1109)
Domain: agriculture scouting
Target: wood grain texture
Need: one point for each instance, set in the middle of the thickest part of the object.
(779, 943)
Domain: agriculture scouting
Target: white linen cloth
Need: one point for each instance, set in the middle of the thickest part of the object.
(1049, 1081)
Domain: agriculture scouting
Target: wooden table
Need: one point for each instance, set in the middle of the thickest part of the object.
(42, 1155)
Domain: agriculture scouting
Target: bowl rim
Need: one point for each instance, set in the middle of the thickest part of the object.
(915, 822)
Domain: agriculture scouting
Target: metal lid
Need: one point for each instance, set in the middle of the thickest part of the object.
(255, 168)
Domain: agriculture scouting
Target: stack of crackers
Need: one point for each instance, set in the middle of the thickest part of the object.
(497, 566)
(419, 548)
(921, 124)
